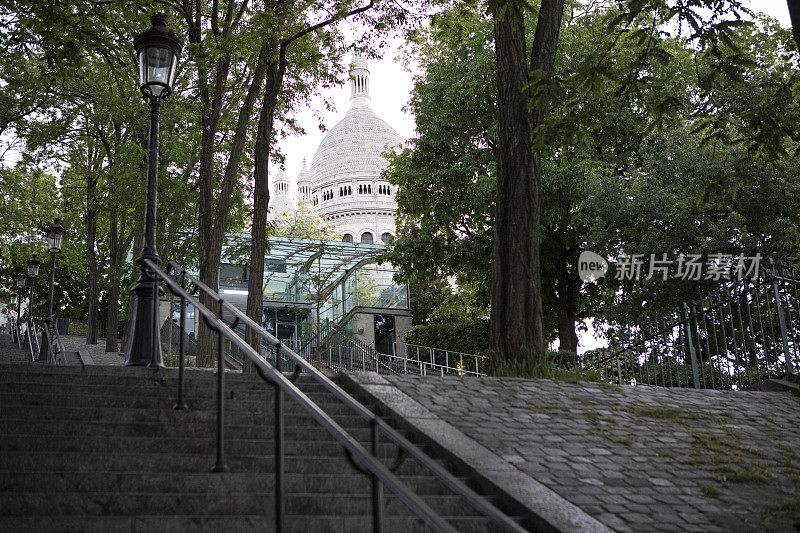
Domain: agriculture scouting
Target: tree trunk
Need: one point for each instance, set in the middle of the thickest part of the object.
(258, 232)
(91, 267)
(112, 317)
(212, 219)
(138, 244)
(567, 292)
(516, 331)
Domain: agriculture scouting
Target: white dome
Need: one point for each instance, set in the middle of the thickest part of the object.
(353, 148)
(346, 185)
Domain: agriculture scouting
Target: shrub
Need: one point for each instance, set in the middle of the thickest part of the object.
(551, 370)
(470, 337)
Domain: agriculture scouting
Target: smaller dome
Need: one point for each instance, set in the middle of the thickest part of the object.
(304, 184)
(358, 61)
(304, 176)
(281, 183)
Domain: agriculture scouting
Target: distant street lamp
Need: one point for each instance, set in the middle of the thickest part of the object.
(33, 271)
(12, 303)
(21, 279)
(157, 50)
(55, 238)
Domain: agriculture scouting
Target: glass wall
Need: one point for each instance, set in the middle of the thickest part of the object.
(303, 277)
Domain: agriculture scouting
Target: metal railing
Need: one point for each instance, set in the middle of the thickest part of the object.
(13, 327)
(425, 360)
(743, 333)
(31, 340)
(362, 460)
(77, 326)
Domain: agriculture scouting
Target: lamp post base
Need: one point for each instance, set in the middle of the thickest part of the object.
(46, 352)
(144, 346)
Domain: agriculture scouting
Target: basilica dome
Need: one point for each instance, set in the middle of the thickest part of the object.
(346, 185)
(353, 148)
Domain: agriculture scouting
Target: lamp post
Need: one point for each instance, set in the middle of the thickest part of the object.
(21, 278)
(33, 272)
(55, 239)
(13, 331)
(157, 50)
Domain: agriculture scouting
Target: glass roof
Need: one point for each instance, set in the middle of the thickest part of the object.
(329, 275)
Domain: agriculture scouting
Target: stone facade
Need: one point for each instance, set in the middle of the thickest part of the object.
(343, 184)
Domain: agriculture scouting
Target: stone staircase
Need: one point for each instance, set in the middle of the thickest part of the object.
(102, 449)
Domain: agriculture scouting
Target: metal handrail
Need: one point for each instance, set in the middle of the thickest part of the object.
(361, 459)
(30, 340)
(441, 368)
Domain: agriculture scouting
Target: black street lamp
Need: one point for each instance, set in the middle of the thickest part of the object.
(55, 238)
(21, 279)
(33, 271)
(12, 303)
(157, 50)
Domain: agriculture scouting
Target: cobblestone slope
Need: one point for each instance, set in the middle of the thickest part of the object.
(637, 458)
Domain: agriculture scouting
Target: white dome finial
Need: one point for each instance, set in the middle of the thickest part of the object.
(359, 81)
(304, 184)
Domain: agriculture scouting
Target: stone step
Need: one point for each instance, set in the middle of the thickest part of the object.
(50, 373)
(294, 414)
(229, 524)
(102, 449)
(199, 482)
(252, 444)
(172, 461)
(116, 503)
(200, 389)
(145, 400)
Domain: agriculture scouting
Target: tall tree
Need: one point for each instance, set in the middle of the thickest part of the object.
(275, 51)
(516, 330)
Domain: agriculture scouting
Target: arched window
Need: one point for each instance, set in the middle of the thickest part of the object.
(387, 238)
(366, 238)
(347, 238)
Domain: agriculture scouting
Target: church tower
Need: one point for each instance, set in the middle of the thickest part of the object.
(281, 202)
(304, 185)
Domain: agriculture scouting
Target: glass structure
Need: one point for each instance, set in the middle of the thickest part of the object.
(310, 284)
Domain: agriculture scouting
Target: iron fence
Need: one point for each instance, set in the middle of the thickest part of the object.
(80, 327)
(738, 335)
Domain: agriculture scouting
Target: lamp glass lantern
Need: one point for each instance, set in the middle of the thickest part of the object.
(55, 237)
(157, 50)
(33, 267)
(21, 279)
(14, 299)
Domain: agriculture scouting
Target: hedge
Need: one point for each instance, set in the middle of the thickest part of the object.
(468, 337)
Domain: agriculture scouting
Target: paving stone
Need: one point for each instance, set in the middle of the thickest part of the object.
(653, 471)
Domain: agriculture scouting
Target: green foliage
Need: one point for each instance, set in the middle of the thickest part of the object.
(302, 223)
(437, 302)
(470, 337)
(551, 370)
(173, 360)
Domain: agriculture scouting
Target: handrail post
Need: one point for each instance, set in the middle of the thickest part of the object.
(279, 462)
(690, 346)
(155, 333)
(377, 487)
(180, 403)
(220, 465)
(781, 321)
